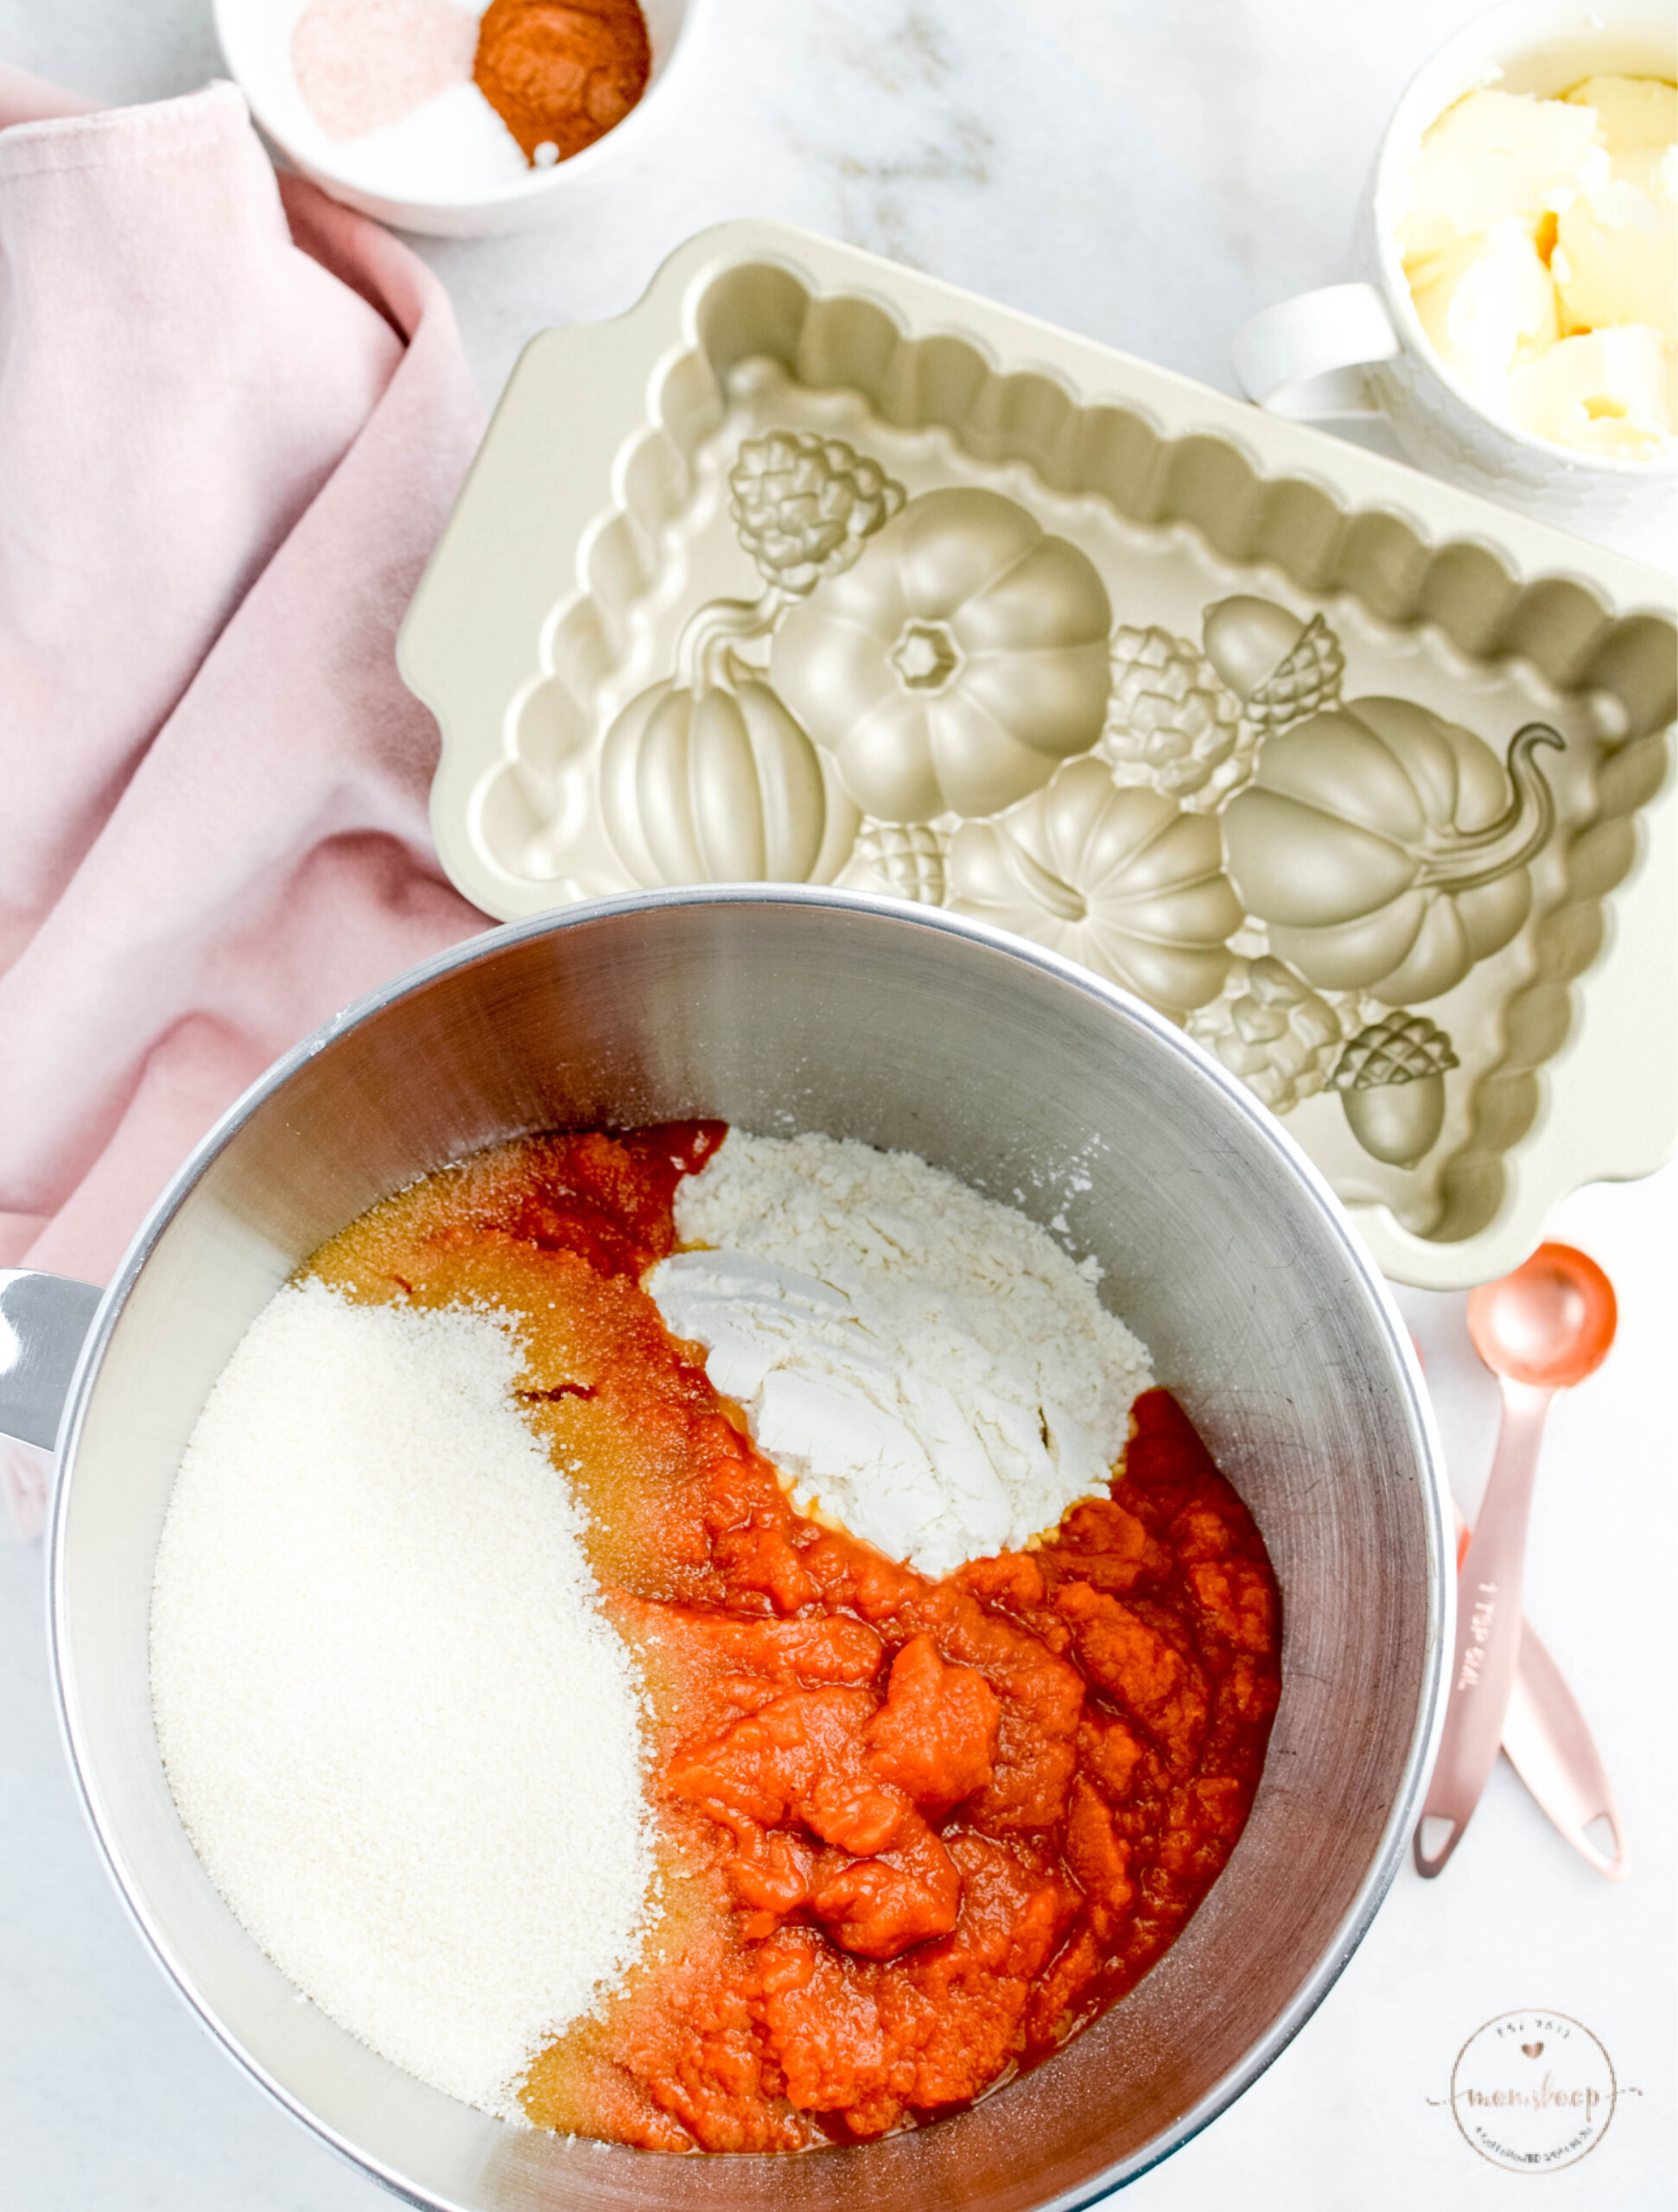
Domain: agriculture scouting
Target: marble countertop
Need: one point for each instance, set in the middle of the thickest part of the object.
(1148, 172)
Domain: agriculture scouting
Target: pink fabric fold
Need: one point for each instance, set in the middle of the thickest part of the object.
(233, 417)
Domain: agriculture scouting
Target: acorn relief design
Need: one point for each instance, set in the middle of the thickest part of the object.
(1172, 720)
(1391, 1081)
(1270, 1027)
(1280, 668)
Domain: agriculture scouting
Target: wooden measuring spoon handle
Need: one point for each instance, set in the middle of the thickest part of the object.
(1488, 1643)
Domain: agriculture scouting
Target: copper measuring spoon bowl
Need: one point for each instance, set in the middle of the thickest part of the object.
(1541, 1329)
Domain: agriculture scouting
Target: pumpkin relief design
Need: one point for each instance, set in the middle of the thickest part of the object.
(1116, 876)
(714, 782)
(1386, 849)
(956, 663)
(707, 777)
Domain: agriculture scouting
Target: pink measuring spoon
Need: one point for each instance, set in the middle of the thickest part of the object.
(1541, 1329)
(1547, 1740)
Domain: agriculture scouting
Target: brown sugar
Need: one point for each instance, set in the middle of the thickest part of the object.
(562, 73)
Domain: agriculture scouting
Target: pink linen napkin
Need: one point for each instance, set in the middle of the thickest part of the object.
(233, 417)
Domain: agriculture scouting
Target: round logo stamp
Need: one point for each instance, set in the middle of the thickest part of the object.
(1533, 2091)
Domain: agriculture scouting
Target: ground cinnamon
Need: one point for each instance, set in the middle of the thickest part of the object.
(561, 72)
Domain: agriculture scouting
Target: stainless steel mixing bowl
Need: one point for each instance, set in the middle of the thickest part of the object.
(782, 1009)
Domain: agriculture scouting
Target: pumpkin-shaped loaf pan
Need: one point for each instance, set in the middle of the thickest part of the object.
(811, 568)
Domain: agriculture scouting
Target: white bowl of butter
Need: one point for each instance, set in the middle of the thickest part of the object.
(1517, 316)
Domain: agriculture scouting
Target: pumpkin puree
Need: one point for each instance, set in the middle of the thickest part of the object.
(914, 1835)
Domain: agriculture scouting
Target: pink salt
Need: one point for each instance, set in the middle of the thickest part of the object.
(361, 64)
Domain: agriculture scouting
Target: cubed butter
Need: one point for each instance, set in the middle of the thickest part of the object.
(1540, 238)
(1496, 155)
(1631, 112)
(1615, 260)
(1611, 391)
(1486, 305)
(1653, 170)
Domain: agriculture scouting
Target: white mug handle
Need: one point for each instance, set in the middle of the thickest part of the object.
(1306, 356)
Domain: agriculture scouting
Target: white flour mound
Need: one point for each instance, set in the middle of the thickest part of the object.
(404, 1738)
(927, 1367)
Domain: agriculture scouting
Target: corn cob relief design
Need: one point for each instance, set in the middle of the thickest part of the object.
(1272, 1029)
(900, 860)
(1172, 720)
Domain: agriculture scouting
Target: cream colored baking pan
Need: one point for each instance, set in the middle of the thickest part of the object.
(813, 568)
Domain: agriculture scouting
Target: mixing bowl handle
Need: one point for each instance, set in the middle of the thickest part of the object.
(44, 1321)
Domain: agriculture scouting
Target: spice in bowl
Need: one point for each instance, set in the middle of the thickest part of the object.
(1539, 239)
(561, 72)
(440, 95)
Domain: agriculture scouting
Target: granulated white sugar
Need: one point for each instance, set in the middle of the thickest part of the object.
(403, 1737)
(455, 143)
(927, 1367)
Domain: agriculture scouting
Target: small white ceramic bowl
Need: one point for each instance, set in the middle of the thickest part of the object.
(256, 44)
(1360, 348)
